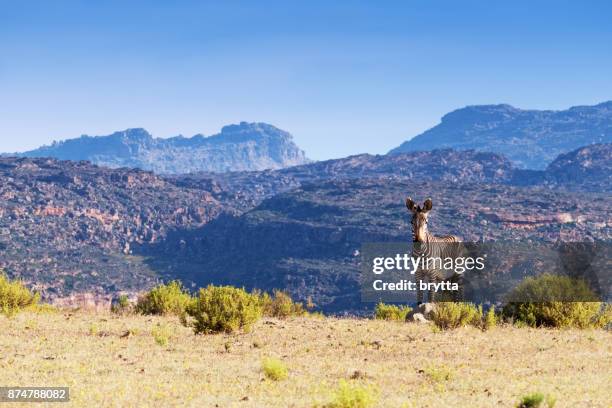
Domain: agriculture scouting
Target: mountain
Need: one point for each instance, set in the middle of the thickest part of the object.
(530, 138)
(250, 188)
(302, 227)
(307, 241)
(589, 166)
(72, 227)
(247, 146)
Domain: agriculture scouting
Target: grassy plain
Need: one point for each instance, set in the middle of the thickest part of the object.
(124, 361)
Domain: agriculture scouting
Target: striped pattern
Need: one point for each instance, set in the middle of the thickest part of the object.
(428, 246)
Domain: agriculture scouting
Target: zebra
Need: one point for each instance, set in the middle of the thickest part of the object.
(427, 245)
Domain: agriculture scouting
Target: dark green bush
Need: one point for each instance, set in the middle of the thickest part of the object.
(550, 300)
(385, 311)
(14, 296)
(223, 309)
(280, 305)
(164, 300)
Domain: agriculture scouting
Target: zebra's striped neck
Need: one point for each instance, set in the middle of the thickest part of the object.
(428, 237)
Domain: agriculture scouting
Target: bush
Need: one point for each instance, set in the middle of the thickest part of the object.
(14, 296)
(548, 300)
(223, 309)
(439, 374)
(352, 396)
(274, 369)
(280, 305)
(391, 312)
(490, 319)
(450, 315)
(164, 300)
(122, 305)
(536, 400)
(161, 334)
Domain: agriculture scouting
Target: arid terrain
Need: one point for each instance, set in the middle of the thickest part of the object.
(80, 233)
(109, 360)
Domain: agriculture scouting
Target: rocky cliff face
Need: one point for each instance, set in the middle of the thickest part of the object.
(72, 227)
(590, 166)
(247, 146)
(531, 139)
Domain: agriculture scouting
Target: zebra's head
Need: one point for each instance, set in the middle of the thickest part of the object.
(419, 218)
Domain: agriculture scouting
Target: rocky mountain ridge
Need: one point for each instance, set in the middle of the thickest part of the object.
(531, 139)
(246, 146)
(586, 168)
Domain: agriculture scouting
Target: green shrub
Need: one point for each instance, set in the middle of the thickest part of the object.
(439, 374)
(122, 306)
(391, 312)
(164, 300)
(161, 333)
(548, 300)
(14, 296)
(280, 305)
(353, 396)
(274, 369)
(223, 309)
(548, 287)
(450, 315)
(490, 319)
(536, 400)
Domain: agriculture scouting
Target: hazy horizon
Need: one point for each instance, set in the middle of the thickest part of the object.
(219, 130)
(343, 78)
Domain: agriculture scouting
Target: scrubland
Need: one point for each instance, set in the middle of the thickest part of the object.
(134, 360)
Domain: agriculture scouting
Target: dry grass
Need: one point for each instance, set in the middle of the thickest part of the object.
(121, 364)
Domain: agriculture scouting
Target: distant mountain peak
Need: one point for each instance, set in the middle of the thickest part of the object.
(530, 138)
(245, 146)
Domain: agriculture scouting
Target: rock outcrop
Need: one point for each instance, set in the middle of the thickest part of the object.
(530, 138)
(247, 146)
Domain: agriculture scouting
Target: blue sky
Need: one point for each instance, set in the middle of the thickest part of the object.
(342, 77)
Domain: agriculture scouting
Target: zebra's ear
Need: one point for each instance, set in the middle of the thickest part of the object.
(411, 205)
(427, 205)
